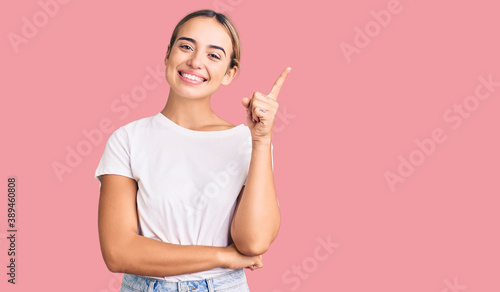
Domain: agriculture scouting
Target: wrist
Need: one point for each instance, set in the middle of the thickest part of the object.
(262, 142)
(221, 257)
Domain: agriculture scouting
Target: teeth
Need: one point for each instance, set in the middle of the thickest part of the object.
(192, 77)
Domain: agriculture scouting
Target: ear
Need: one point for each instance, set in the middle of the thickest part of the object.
(228, 77)
(167, 55)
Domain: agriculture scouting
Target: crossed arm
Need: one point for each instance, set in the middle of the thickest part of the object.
(254, 227)
(124, 251)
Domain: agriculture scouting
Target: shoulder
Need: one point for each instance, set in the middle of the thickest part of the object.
(122, 133)
(143, 122)
(134, 126)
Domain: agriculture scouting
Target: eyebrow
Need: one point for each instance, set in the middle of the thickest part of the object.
(194, 42)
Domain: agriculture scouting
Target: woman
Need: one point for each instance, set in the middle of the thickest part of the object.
(188, 199)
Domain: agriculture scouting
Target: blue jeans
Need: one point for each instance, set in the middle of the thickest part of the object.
(232, 281)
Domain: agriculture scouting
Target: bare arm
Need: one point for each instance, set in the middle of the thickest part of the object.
(257, 216)
(124, 251)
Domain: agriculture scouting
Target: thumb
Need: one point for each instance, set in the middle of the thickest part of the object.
(245, 101)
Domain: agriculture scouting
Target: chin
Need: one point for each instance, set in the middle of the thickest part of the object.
(192, 94)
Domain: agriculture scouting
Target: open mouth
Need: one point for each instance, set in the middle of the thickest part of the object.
(192, 77)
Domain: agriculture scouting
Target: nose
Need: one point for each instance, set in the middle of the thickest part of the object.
(195, 60)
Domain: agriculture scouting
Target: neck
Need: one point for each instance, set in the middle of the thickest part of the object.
(189, 113)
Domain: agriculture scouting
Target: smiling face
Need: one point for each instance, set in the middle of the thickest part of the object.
(198, 62)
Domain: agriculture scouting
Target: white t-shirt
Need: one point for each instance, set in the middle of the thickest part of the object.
(188, 181)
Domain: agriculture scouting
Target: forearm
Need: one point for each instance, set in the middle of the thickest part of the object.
(257, 219)
(149, 257)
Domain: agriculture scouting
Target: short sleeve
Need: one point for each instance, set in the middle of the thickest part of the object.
(116, 156)
(272, 163)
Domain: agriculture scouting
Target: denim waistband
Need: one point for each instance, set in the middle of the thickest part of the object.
(231, 279)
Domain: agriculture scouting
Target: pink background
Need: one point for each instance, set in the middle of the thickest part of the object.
(344, 121)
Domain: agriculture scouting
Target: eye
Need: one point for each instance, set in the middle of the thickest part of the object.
(214, 56)
(188, 47)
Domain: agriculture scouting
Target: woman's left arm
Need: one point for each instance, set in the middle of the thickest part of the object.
(256, 218)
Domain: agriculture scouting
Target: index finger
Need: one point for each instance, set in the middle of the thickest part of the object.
(279, 83)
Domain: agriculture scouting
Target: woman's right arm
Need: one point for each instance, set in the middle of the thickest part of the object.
(124, 251)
